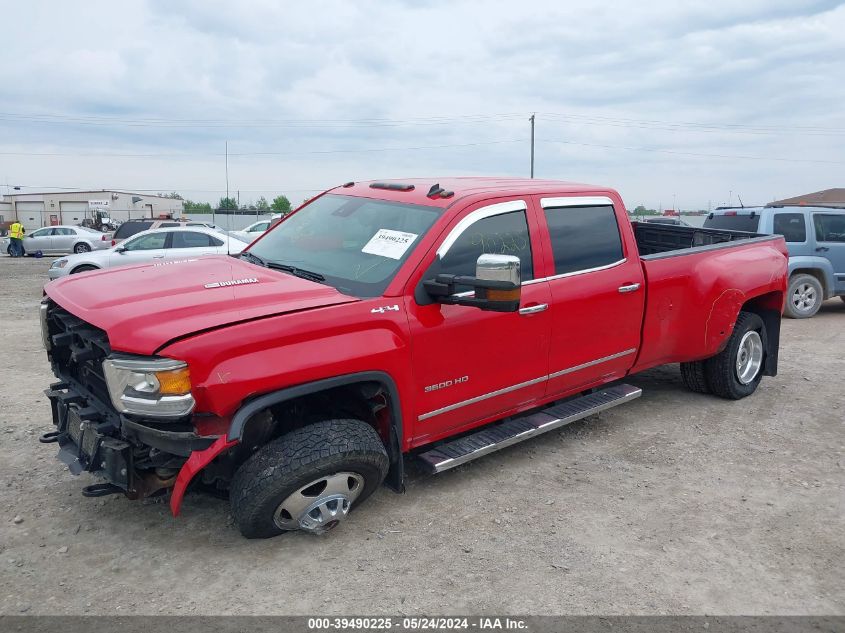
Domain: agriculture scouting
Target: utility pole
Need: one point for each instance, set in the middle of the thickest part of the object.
(532, 144)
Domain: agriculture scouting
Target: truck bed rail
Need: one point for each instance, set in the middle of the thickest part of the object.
(655, 238)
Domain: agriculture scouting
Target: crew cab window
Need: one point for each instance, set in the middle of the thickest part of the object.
(829, 227)
(504, 234)
(791, 226)
(583, 237)
(147, 242)
(190, 239)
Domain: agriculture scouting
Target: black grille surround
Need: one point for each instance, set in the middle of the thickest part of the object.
(93, 436)
(77, 352)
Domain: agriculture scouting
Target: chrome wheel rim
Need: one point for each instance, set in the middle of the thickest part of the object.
(804, 297)
(749, 357)
(320, 505)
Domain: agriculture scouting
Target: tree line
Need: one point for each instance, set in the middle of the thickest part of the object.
(280, 204)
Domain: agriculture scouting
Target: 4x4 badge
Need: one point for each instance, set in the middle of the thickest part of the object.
(383, 309)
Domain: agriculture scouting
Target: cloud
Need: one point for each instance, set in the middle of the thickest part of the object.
(183, 78)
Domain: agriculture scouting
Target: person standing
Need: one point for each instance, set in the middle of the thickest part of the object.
(16, 233)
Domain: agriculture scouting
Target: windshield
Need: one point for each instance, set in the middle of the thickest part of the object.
(357, 244)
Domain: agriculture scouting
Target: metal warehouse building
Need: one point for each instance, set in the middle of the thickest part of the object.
(35, 210)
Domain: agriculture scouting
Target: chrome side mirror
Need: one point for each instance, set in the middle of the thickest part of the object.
(498, 268)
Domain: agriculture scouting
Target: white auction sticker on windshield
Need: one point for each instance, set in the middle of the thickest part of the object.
(388, 243)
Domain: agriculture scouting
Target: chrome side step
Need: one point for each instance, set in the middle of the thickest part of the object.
(491, 438)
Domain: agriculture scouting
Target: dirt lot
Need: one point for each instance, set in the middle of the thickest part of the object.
(676, 503)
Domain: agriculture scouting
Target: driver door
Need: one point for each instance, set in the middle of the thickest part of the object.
(470, 364)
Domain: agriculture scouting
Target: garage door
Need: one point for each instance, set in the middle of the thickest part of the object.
(73, 212)
(30, 214)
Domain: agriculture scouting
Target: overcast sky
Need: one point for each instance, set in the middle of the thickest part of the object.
(669, 101)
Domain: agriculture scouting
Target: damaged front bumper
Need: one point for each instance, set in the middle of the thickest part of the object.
(135, 457)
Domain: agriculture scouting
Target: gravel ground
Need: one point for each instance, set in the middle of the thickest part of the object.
(676, 503)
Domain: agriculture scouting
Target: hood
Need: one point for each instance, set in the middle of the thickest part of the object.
(142, 308)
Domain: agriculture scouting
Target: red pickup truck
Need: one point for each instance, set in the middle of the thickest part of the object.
(440, 320)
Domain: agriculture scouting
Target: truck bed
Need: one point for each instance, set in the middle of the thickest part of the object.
(654, 239)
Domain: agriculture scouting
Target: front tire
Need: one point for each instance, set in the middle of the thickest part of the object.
(804, 297)
(308, 479)
(736, 371)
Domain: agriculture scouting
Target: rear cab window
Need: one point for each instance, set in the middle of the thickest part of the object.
(748, 221)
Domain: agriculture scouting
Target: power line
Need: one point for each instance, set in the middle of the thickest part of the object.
(656, 124)
(254, 123)
(268, 153)
(729, 156)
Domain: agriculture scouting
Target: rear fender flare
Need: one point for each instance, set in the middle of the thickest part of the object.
(396, 475)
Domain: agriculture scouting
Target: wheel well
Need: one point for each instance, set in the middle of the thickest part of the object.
(83, 268)
(769, 308)
(813, 272)
(370, 396)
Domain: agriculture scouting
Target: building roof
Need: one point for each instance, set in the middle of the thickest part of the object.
(826, 198)
(58, 192)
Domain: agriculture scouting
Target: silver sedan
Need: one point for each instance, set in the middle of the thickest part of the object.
(153, 246)
(65, 239)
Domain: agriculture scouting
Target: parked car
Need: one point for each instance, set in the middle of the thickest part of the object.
(815, 237)
(64, 239)
(156, 245)
(387, 321)
(667, 220)
(133, 227)
(254, 230)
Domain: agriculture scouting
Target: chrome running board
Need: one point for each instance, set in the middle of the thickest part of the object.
(493, 437)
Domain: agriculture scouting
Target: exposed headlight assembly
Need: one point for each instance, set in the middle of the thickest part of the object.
(154, 387)
(59, 263)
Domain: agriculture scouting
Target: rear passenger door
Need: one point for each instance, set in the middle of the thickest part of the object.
(597, 291)
(186, 244)
(830, 243)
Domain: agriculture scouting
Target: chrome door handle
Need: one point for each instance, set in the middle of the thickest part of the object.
(540, 307)
(158, 256)
(629, 288)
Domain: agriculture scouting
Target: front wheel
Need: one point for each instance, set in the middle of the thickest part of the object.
(308, 479)
(736, 371)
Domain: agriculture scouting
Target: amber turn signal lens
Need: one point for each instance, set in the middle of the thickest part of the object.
(503, 295)
(175, 382)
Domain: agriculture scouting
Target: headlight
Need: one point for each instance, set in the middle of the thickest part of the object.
(59, 263)
(156, 387)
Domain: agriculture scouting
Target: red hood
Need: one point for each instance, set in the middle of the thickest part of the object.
(143, 307)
